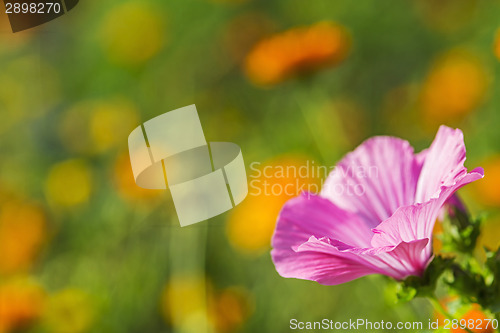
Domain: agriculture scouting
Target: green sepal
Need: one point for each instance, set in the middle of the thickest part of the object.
(424, 286)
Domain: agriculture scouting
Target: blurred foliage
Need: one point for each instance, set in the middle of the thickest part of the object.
(82, 249)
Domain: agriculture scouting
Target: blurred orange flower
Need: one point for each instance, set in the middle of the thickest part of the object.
(437, 244)
(474, 314)
(445, 302)
(21, 303)
(251, 224)
(455, 86)
(8, 40)
(297, 51)
(22, 233)
(230, 308)
(496, 46)
(488, 191)
(479, 320)
(125, 183)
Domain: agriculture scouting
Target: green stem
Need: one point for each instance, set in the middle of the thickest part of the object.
(440, 308)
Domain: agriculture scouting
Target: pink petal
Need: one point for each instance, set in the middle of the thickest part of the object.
(410, 256)
(444, 163)
(375, 179)
(319, 260)
(327, 269)
(417, 221)
(330, 261)
(311, 215)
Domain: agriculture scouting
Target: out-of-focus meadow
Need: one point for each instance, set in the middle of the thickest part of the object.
(83, 249)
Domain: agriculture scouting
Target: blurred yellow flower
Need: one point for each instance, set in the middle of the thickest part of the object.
(251, 224)
(230, 308)
(496, 46)
(21, 77)
(488, 190)
(22, 234)
(68, 311)
(297, 51)
(69, 183)
(132, 33)
(184, 302)
(488, 238)
(74, 128)
(111, 124)
(98, 125)
(455, 86)
(191, 304)
(21, 303)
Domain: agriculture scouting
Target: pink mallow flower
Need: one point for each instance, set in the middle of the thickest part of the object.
(375, 213)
